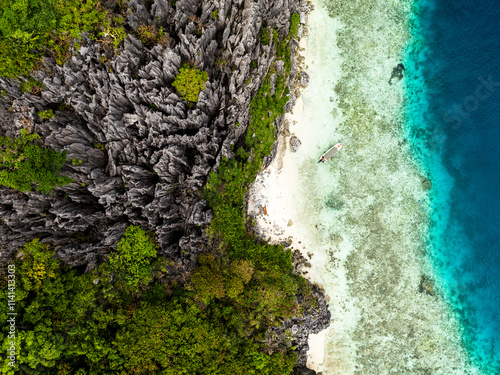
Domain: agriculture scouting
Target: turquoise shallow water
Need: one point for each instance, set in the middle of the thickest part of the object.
(364, 220)
(453, 124)
(363, 217)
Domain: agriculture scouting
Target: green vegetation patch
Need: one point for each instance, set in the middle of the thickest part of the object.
(31, 85)
(133, 256)
(294, 25)
(24, 164)
(46, 114)
(190, 82)
(265, 36)
(95, 323)
(150, 35)
(31, 29)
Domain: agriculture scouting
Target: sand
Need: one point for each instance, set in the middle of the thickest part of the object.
(271, 204)
(357, 219)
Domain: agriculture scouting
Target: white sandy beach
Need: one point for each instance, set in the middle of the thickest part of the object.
(358, 219)
(277, 188)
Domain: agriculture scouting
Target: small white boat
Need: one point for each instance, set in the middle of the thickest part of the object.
(329, 154)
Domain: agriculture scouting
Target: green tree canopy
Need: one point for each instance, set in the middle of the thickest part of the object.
(133, 255)
(89, 323)
(23, 164)
(30, 29)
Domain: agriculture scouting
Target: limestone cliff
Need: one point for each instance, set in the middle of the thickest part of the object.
(146, 153)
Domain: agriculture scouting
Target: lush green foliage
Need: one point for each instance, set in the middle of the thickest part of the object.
(190, 82)
(215, 279)
(30, 29)
(294, 25)
(93, 323)
(24, 164)
(38, 264)
(46, 114)
(133, 256)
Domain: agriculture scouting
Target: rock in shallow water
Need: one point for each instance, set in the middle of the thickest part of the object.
(426, 285)
(426, 183)
(294, 143)
(397, 73)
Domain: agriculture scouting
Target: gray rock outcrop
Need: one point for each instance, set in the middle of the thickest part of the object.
(294, 143)
(145, 152)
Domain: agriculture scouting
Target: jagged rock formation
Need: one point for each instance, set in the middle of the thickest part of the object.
(294, 143)
(298, 329)
(146, 153)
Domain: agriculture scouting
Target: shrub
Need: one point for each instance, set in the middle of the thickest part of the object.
(99, 145)
(46, 114)
(150, 36)
(38, 264)
(30, 29)
(190, 82)
(265, 36)
(24, 164)
(294, 25)
(32, 86)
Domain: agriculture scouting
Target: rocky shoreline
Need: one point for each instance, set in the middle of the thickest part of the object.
(140, 153)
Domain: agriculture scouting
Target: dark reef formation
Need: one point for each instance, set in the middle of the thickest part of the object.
(145, 152)
(397, 73)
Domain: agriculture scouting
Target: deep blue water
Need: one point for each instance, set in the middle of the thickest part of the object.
(453, 108)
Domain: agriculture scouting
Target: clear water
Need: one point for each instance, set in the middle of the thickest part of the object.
(373, 228)
(453, 92)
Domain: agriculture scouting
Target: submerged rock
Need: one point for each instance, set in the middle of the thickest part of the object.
(397, 73)
(426, 285)
(426, 183)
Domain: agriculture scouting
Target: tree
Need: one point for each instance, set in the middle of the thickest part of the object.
(30, 29)
(38, 264)
(189, 82)
(133, 256)
(294, 25)
(24, 164)
(22, 25)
